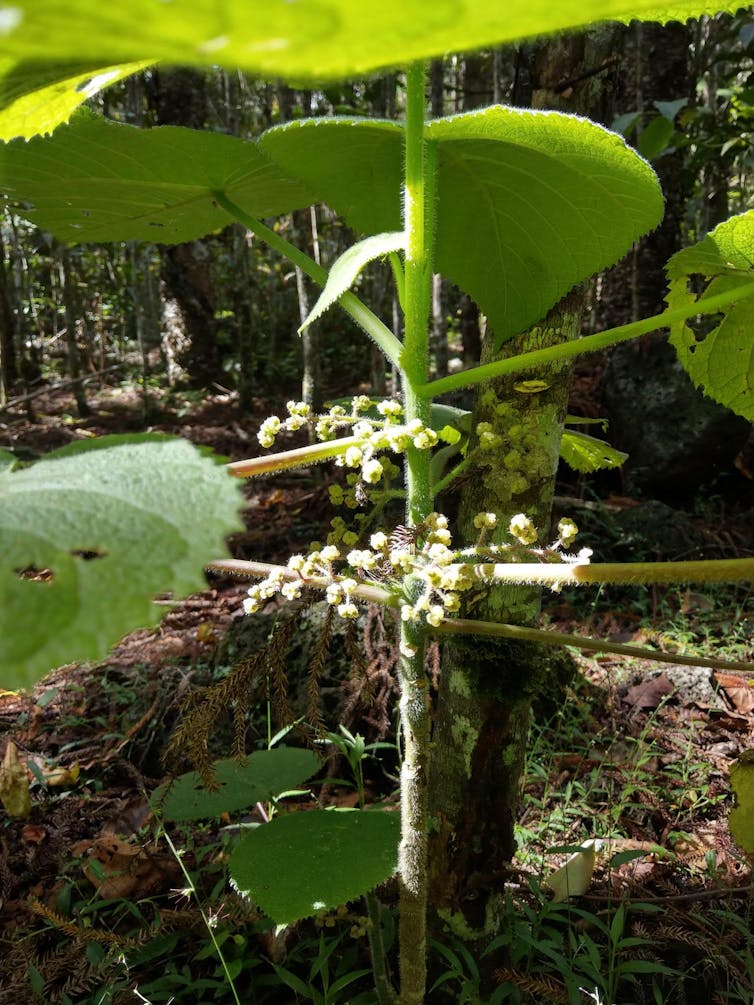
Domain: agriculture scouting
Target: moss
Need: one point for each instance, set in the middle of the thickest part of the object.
(459, 683)
(465, 737)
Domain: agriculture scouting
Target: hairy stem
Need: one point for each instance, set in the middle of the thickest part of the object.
(590, 343)
(414, 702)
(350, 303)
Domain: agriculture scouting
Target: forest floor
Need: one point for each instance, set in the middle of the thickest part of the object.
(95, 909)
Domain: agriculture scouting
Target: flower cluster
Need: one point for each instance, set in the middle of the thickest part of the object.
(368, 437)
(423, 557)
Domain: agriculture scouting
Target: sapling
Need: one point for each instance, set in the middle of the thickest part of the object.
(548, 199)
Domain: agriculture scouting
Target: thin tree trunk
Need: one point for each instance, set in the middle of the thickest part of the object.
(71, 308)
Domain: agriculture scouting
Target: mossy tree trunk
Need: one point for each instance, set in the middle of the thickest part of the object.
(487, 686)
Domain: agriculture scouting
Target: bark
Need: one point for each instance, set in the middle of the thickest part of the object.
(486, 689)
(8, 358)
(72, 315)
(179, 98)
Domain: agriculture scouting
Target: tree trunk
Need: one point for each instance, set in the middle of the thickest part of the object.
(8, 358)
(487, 687)
(179, 98)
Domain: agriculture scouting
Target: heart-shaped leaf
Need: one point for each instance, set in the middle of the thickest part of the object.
(89, 535)
(96, 180)
(529, 203)
(303, 863)
(718, 358)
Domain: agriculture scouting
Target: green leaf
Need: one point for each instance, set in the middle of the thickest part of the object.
(264, 775)
(311, 38)
(37, 97)
(586, 453)
(720, 362)
(89, 535)
(302, 863)
(671, 108)
(742, 814)
(656, 137)
(529, 202)
(346, 268)
(96, 180)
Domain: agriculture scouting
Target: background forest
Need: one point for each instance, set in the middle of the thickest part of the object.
(201, 339)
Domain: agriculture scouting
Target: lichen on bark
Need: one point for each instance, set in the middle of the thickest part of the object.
(487, 686)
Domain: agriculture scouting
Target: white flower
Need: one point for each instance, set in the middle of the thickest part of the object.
(523, 529)
(291, 591)
(371, 471)
(361, 559)
(352, 457)
(330, 553)
(269, 430)
(348, 610)
(333, 593)
(485, 521)
(435, 616)
(378, 541)
(390, 408)
(567, 531)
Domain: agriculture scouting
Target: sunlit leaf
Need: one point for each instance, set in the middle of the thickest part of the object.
(36, 97)
(96, 180)
(742, 815)
(529, 203)
(346, 268)
(303, 863)
(719, 358)
(89, 535)
(586, 453)
(310, 38)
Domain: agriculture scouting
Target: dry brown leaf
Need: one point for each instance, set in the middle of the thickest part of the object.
(650, 692)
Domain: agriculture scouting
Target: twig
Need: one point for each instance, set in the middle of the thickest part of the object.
(61, 386)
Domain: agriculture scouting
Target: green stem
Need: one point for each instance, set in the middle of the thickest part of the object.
(208, 924)
(350, 303)
(462, 626)
(590, 343)
(414, 702)
(382, 986)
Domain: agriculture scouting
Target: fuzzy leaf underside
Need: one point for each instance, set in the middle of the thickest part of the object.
(308, 39)
(529, 202)
(37, 97)
(720, 362)
(587, 453)
(345, 270)
(96, 180)
(303, 863)
(89, 535)
(264, 775)
(741, 820)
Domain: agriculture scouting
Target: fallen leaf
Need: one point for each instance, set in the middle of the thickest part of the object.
(573, 878)
(59, 776)
(33, 834)
(650, 692)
